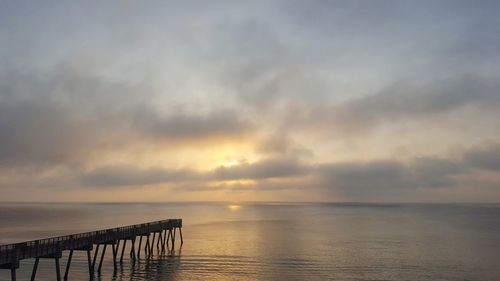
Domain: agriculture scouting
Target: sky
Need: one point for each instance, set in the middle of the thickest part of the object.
(333, 101)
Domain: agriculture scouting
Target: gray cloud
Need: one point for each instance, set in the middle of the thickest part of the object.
(406, 101)
(372, 176)
(434, 172)
(126, 175)
(37, 132)
(269, 168)
(183, 126)
(389, 176)
(129, 175)
(279, 144)
(275, 144)
(486, 157)
(68, 115)
(393, 176)
(57, 116)
(360, 180)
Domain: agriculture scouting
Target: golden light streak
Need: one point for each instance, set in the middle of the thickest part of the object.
(234, 207)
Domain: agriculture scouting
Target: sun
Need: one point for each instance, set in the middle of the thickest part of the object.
(229, 163)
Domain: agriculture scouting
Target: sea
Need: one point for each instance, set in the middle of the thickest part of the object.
(277, 241)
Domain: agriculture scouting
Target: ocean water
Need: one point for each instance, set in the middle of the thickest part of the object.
(244, 241)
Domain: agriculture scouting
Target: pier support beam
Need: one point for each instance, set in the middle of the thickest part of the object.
(114, 248)
(91, 268)
(164, 241)
(139, 249)
(95, 258)
(132, 249)
(159, 240)
(173, 237)
(56, 256)
(152, 244)
(147, 249)
(68, 264)
(102, 258)
(13, 274)
(169, 235)
(123, 250)
(58, 269)
(115, 253)
(180, 232)
(35, 267)
(87, 249)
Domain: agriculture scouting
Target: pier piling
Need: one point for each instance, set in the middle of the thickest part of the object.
(68, 264)
(35, 267)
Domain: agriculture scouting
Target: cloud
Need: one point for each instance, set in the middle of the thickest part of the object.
(183, 126)
(384, 179)
(486, 157)
(274, 144)
(377, 174)
(70, 114)
(127, 175)
(59, 116)
(295, 84)
(268, 168)
(39, 132)
(388, 176)
(279, 144)
(405, 100)
(123, 175)
(435, 172)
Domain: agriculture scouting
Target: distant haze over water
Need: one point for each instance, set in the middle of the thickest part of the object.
(238, 241)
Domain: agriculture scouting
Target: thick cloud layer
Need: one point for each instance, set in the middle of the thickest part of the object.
(346, 179)
(260, 100)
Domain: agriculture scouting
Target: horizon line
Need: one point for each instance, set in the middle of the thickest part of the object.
(251, 202)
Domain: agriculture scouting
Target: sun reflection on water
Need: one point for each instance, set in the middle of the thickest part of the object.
(234, 207)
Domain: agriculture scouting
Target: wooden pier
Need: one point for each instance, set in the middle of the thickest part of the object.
(163, 232)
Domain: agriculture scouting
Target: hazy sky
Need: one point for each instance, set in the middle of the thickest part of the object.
(250, 100)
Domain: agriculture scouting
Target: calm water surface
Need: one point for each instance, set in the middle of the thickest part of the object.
(225, 241)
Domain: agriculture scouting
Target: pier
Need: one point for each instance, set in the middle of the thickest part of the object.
(163, 233)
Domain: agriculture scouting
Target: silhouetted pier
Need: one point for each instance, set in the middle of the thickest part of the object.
(162, 232)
